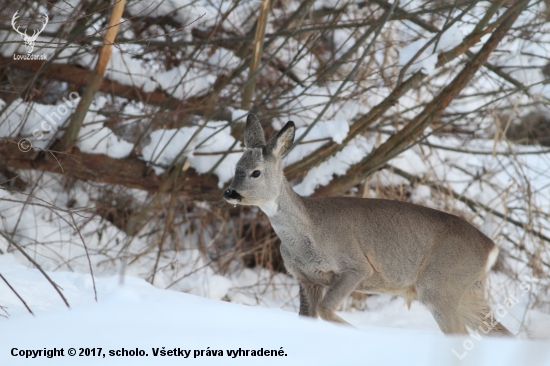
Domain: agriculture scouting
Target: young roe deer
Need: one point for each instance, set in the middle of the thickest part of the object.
(336, 245)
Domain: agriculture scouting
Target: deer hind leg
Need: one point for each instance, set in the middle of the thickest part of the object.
(342, 286)
(310, 294)
(445, 310)
(477, 314)
(447, 274)
(441, 292)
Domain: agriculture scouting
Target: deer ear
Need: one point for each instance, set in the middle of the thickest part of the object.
(253, 132)
(282, 141)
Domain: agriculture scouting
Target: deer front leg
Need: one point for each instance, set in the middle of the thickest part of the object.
(310, 294)
(341, 287)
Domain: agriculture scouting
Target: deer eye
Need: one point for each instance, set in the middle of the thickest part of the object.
(255, 174)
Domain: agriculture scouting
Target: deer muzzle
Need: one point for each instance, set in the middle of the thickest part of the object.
(232, 195)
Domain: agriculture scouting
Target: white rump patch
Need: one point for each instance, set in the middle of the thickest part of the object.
(492, 259)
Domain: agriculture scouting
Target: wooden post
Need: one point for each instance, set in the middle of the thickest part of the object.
(258, 44)
(77, 118)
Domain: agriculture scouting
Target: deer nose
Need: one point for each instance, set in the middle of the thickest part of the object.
(231, 194)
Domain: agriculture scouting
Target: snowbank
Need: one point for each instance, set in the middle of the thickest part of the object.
(138, 316)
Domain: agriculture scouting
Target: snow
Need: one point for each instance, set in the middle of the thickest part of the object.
(351, 154)
(182, 10)
(8, 48)
(101, 140)
(39, 124)
(139, 315)
(128, 71)
(34, 121)
(184, 269)
(215, 137)
(23, 118)
(428, 58)
(336, 130)
(94, 138)
(136, 315)
(183, 82)
(238, 114)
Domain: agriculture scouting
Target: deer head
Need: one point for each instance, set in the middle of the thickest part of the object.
(259, 176)
(29, 40)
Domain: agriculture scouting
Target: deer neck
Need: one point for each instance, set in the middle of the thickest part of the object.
(286, 206)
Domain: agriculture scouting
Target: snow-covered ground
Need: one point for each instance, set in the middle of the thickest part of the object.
(138, 316)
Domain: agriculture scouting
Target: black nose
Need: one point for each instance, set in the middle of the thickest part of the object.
(231, 194)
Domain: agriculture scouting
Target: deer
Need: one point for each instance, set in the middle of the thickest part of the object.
(334, 246)
(29, 40)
